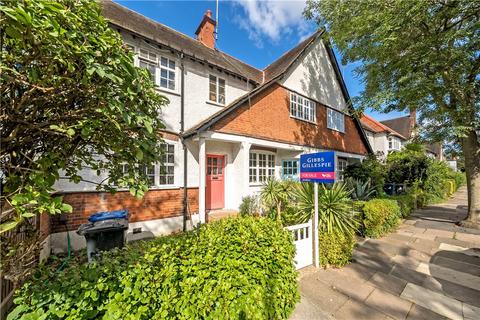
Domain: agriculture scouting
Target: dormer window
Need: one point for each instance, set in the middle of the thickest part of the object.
(216, 89)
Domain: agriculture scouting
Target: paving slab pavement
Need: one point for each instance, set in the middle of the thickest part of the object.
(428, 269)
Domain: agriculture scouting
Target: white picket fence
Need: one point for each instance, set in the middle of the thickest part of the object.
(302, 236)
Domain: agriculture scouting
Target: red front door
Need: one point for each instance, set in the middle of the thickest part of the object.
(215, 192)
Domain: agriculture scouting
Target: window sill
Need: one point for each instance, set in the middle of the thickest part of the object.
(304, 120)
(343, 132)
(165, 90)
(255, 185)
(215, 103)
(154, 188)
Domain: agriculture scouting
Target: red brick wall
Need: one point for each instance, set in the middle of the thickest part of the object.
(155, 204)
(268, 117)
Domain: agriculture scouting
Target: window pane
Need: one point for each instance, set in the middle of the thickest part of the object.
(164, 62)
(171, 64)
(213, 92)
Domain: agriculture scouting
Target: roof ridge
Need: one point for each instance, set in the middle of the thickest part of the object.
(310, 38)
(381, 125)
(249, 69)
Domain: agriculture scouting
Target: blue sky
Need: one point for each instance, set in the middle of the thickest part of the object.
(254, 31)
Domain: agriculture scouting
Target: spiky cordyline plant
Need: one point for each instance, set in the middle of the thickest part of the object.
(335, 211)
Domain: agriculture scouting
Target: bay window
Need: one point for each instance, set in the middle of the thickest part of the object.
(261, 167)
(341, 166)
(167, 167)
(290, 169)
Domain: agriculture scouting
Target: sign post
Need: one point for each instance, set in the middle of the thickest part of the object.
(317, 168)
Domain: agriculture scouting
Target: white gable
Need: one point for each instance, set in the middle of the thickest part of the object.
(313, 76)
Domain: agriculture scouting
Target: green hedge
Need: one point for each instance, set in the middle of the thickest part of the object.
(335, 248)
(406, 202)
(230, 269)
(380, 216)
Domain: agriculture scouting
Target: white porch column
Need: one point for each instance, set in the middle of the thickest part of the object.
(202, 162)
(245, 149)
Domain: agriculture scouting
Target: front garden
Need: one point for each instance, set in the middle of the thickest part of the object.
(240, 268)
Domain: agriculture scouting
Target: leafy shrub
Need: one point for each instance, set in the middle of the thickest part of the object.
(249, 206)
(406, 202)
(380, 217)
(407, 166)
(335, 249)
(335, 212)
(370, 169)
(459, 178)
(228, 269)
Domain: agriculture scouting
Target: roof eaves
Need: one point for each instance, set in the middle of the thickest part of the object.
(209, 122)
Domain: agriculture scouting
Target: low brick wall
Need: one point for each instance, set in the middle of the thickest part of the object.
(156, 204)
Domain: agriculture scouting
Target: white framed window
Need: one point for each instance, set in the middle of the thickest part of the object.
(167, 73)
(302, 108)
(394, 143)
(167, 167)
(290, 169)
(335, 120)
(261, 166)
(216, 89)
(341, 166)
(148, 60)
(149, 171)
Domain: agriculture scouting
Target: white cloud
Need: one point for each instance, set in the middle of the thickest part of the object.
(272, 19)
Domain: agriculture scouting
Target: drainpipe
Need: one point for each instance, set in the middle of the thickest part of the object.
(185, 151)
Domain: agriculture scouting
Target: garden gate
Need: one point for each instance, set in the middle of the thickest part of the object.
(302, 236)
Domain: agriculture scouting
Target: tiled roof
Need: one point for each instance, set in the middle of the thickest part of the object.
(281, 65)
(134, 22)
(401, 125)
(375, 126)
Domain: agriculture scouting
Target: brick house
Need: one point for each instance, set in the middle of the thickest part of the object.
(229, 126)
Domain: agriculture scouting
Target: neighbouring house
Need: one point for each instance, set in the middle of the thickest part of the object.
(408, 127)
(229, 126)
(383, 139)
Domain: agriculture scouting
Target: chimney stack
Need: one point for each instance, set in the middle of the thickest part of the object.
(206, 30)
(413, 122)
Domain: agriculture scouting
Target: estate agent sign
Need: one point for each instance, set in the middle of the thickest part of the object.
(318, 167)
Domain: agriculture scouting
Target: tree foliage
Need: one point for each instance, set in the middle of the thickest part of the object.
(71, 98)
(422, 55)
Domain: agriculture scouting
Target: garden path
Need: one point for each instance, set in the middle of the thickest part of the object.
(428, 269)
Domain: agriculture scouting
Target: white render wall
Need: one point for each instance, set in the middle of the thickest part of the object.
(197, 108)
(314, 77)
(197, 105)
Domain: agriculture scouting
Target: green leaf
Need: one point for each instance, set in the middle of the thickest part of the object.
(139, 155)
(28, 215)
(66, 208)
(9, 225)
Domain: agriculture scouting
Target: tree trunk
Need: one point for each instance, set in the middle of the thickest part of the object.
(471, 151)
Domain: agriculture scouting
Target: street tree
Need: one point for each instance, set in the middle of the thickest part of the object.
(422, 55)
(71, 99)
